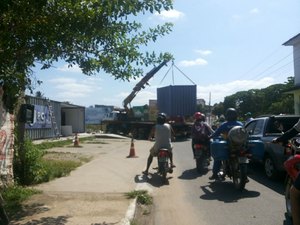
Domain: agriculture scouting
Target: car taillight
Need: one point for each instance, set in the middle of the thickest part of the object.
(163, 154)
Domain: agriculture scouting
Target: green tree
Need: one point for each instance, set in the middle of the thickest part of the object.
(97, 35)
(270, 100)
(218, 109)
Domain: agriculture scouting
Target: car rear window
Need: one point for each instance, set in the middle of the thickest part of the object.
(281, 124)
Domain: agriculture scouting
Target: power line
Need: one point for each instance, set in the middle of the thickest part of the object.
(263, 60)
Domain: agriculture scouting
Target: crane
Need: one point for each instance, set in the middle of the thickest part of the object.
(141, 85)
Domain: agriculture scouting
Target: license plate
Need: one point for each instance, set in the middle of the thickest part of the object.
(243, 160)
(162, 159)
(198, 153)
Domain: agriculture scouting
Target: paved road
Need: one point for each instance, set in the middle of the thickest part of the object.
(194, 199)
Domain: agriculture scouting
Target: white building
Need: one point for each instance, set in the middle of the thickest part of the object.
(295, 42)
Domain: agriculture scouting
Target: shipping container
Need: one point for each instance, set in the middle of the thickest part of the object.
(178, 100)
(67, 119)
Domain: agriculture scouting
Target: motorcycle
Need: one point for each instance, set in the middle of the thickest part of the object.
(235, 163)
(292, 167)
(235, 167)
(164, 163)
(201, 157)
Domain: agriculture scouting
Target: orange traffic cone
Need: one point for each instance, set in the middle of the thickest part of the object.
(76, 140)
(132, 151)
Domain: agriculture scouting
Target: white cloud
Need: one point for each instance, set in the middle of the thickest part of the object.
(67, 68)
(70, 89)
(196, 62)
(203, 52)
(254, 11)
(169, 15)
(219, 91)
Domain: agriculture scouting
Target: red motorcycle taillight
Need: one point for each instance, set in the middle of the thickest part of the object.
(288, 150)
(163, 154)
(197, 146)
(292, 166)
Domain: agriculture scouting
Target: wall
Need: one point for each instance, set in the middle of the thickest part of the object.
(40, 130)
(297, 102)
(296, 53)
(6, 143)
(74, 117)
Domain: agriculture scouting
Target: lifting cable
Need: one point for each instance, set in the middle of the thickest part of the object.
(172, 67)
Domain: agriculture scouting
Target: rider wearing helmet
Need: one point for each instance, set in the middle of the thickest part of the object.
(200, 131)
(163, 134)
(231, 121)
(295, 189)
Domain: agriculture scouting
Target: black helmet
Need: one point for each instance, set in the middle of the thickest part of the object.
(161, 118)
(231, 114)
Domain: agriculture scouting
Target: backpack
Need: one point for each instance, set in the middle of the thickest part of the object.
(200, 131)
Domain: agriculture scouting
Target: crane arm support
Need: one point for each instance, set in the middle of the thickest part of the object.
(141, 84)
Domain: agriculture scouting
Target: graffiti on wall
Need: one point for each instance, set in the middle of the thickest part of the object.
(6, 140)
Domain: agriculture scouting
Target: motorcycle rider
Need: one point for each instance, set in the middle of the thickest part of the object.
(295, 189)
(201, 132)
(163, 134)
(223, 129)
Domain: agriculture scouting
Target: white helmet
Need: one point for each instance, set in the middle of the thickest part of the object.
(237, 135)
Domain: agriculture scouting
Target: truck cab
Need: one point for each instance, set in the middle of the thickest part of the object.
(115, 115)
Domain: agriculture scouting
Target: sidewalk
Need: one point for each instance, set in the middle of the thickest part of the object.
(95, 192)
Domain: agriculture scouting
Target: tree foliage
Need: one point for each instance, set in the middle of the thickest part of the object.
(97, 35)
(270, 100)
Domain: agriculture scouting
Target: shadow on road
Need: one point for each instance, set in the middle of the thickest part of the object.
(60, 220)
(225, 192)
(256, 172)
(191, 174)
(34, 209)
(153, 179)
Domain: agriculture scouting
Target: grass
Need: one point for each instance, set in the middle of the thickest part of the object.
(52, 165)
(142, 197)
(13, 197)
(61, 143)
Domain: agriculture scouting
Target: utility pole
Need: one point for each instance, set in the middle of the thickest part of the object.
(209, 109)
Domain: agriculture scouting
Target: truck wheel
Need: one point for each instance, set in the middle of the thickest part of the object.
(270, 169)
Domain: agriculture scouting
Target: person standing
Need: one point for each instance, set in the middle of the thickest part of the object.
(248, 116)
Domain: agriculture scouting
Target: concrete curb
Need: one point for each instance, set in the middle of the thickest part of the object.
(132, 207)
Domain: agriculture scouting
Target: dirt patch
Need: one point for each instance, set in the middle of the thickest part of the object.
(72, 209)
(67, 156)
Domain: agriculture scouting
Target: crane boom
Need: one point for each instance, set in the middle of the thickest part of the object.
(141, 84)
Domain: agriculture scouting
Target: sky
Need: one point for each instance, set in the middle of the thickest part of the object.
(221, 46)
